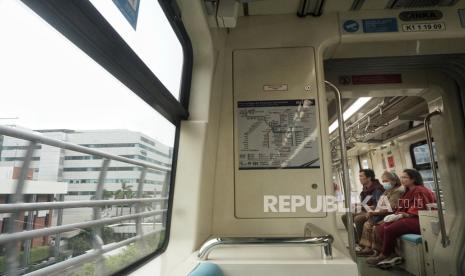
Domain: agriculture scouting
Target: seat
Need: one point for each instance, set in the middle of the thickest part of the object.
(410, 247)
(206, 269)
(413, 238)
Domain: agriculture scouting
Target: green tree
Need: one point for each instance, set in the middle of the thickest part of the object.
(82, 242)
(123, 193)
(107, 194)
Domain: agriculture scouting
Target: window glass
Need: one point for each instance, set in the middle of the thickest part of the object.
(152, 38)
(365, 164)
(50, 86)
(421, 154)
(421, 162)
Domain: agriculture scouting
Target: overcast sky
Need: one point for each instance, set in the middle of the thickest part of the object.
(48, 82)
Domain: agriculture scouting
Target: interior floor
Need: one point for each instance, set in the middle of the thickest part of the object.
(367, 270)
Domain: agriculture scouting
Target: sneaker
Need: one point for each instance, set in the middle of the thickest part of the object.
(358, 248)
(375, 260)
(389, 263)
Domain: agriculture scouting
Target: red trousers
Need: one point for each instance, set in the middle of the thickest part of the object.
(389, 232)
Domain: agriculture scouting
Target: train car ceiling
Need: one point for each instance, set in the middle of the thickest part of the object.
(227, 11)
(384, 118)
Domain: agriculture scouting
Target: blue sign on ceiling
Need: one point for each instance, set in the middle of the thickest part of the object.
(380, 25)
(130, 10)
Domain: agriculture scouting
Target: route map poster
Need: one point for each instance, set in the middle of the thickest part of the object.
(280, 134)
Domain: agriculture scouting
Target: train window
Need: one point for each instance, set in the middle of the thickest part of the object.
(145, 28)
(59, 96)
(419, 153)
(365, 164)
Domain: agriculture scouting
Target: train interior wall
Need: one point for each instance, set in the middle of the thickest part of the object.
(204, 194)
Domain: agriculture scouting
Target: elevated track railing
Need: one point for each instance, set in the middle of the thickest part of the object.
(16, 205)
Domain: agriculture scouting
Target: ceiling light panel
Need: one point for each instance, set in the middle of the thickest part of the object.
(356, 106)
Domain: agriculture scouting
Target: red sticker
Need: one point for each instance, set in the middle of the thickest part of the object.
(376, 79)
(391, 161)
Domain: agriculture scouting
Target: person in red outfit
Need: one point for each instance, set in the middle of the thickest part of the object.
(405, 220)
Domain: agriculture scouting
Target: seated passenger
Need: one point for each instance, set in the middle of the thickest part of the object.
(386, 204)
(405, 220)
(371, 192)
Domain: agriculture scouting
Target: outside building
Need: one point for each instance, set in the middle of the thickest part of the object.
(34, 191)
(79, 172)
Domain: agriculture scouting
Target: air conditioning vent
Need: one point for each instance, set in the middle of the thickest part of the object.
(397, 4)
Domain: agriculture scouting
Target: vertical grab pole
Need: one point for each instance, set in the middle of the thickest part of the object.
(444, 238)
(345, 172)
(97, 231)
(12, 247)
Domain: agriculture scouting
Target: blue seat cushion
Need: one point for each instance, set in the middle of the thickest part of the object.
(413, 238)
(206, 269)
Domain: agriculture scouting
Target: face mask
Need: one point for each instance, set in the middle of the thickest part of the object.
(387, 185)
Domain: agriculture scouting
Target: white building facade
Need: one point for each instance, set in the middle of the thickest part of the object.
(80, 172)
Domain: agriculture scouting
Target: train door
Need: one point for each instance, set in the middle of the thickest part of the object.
(427, 114)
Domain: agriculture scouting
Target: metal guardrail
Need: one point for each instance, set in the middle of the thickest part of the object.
(8, 208)
(16, 206)
(89, 256)
(38, 138)
(24, 235)
(325, 241)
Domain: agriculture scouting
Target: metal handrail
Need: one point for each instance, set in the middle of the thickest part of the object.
(16, 206)
(345, 171)
(24, 235)
(379, 107)
(11, 247)
(35, 206)
(444, 238)
(325, 240)
(97, 241)
(90, 255)
(41, 139)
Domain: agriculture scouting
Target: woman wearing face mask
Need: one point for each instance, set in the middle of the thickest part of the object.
(387, 203)
(404, 220)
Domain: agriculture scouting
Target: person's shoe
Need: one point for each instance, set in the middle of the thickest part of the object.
(375, 253)
(365, 252)
(358, 248)
(375, 260)
(390, 262)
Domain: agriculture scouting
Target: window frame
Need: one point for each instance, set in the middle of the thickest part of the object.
(81, 23)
